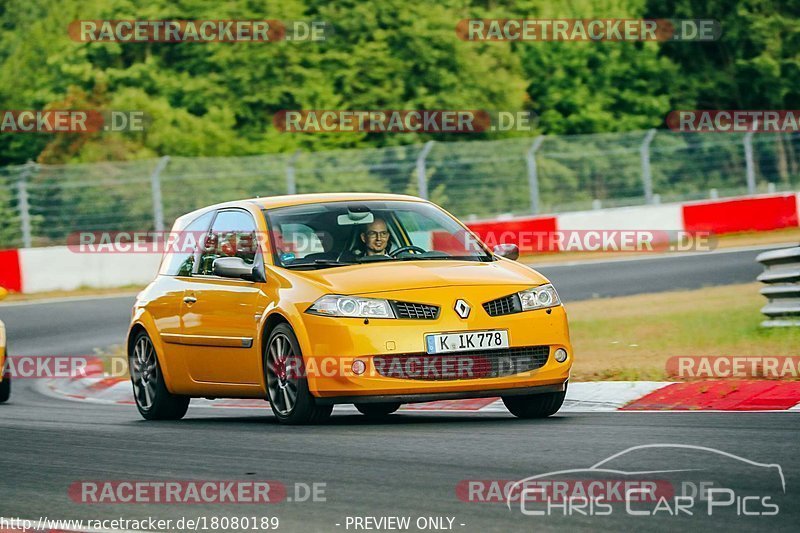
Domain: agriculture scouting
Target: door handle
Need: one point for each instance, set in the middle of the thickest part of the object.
(189, 300)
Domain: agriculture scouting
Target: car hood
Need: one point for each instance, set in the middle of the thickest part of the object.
(385, 277)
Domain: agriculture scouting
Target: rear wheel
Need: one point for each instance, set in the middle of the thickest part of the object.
(5, 389)
(377, 410)
(535, 405)
(287, 386)
(153, 400)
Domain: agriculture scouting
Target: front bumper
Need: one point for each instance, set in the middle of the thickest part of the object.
(334, 343)
(449, 395)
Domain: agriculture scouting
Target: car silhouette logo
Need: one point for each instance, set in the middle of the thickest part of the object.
(462, 308)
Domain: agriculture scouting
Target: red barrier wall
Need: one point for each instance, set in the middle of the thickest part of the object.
(523, 232)
(10, 276)
(748, 214)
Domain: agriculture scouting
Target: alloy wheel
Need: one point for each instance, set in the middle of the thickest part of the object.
(283, 373)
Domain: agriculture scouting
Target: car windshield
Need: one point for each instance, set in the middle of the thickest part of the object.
(344, 233)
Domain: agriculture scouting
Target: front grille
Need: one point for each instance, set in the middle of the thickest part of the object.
(415, 311)
(506, 305)
(462, 365)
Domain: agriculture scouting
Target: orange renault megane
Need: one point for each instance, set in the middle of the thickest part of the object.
(313, 300)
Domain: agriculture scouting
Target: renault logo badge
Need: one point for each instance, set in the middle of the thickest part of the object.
(462, 308)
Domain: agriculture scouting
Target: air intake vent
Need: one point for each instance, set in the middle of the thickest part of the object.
(415, 311)
(506, 305)
(479, 364)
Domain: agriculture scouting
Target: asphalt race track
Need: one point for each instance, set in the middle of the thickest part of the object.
(409, 465)
(76, 327)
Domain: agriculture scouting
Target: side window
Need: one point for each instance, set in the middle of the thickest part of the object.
(181, 261)
(301, 240)
(232, 234)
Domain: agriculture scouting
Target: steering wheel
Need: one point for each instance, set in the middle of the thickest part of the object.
(395, 253)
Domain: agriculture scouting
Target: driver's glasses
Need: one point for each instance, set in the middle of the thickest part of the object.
(377, 234)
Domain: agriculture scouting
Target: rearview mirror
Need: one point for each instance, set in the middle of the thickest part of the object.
(355, 215)
(236, 268)
(509, 251)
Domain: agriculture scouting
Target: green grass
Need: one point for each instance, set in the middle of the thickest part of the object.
(632, 337)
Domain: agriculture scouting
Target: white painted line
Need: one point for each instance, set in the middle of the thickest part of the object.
(658, 256)
(68, 299)
(607, 395)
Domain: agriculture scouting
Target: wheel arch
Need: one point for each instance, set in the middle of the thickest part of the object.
(140, 325)
(273, 319)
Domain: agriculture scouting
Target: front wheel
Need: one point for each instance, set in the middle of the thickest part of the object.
(377, 410)
(5, 389)
(153, 400)
(535, 405)
(287, 386)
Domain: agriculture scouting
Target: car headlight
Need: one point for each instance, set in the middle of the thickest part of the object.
(352, 307)
(539, 297)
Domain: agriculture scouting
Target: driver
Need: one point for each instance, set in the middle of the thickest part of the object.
(375, 237)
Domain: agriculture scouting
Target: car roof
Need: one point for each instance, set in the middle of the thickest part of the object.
(272, 202)
(300, 199)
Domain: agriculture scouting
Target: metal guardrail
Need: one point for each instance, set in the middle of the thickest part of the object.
(782, 276)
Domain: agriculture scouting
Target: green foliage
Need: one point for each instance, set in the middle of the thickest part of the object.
(218, 100)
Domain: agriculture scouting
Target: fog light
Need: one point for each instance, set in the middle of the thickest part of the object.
(561, 355)
(359, 367)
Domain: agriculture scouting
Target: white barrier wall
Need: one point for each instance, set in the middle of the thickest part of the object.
(652, 217)
(59, 268)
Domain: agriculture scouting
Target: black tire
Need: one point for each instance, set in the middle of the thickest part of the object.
(5, 389)
(287, 387)
(378, 410)
(535, 405)
(153, 400)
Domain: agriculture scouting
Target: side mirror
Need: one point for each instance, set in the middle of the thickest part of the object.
(3, 293)
(509, 251)
(236, 268)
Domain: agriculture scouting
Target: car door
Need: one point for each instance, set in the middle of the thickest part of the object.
(168, 292)
(220, 316)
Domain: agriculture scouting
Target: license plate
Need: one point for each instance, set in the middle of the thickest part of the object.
(466, 341)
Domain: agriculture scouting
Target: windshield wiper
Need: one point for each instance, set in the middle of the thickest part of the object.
(321, 263)
(332, 262)
(478, 258)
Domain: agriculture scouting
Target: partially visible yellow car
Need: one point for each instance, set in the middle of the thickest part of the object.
(5, 378)
(314, 300)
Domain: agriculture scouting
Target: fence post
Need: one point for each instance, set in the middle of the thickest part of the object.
(647, 176)
(422, 179)
(155, 186)
(748, 159)
(24, 205)
(533, 173)
(291, 180)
